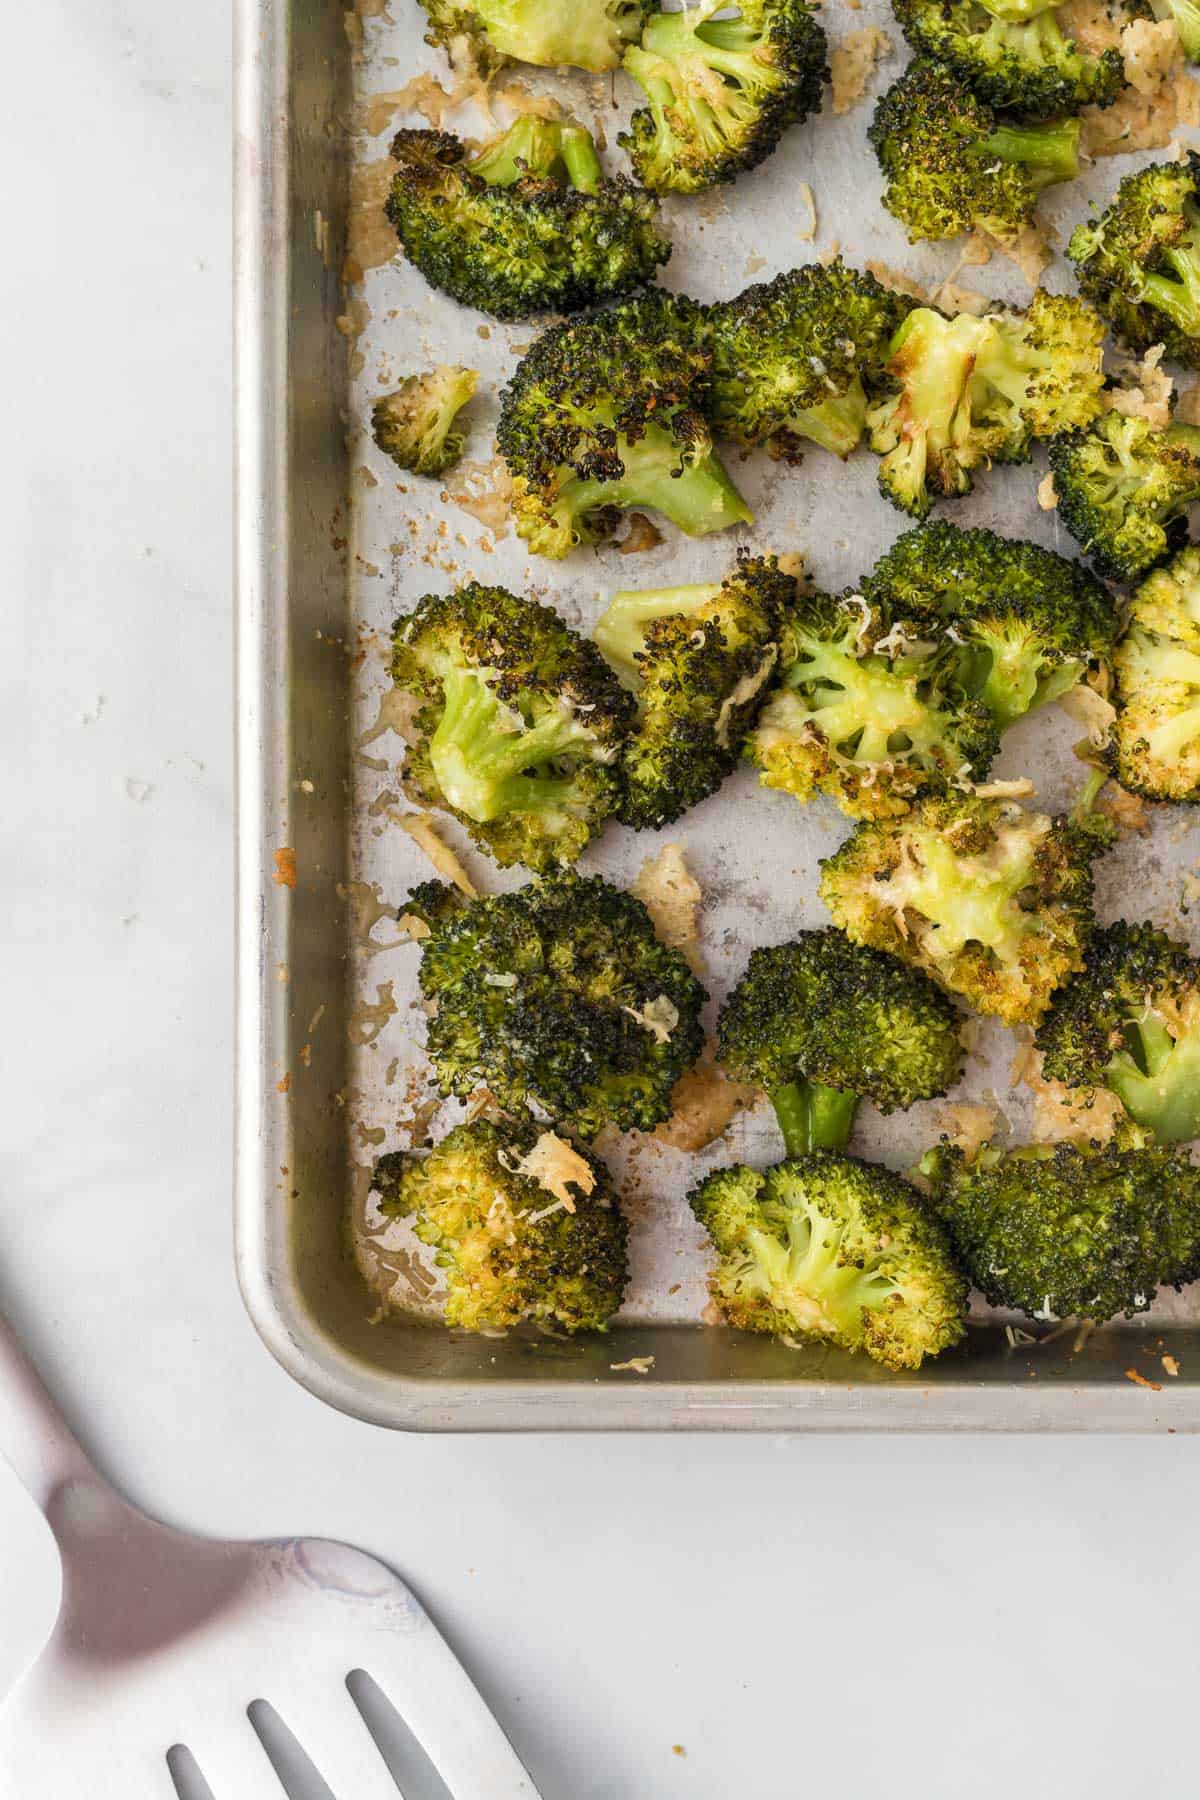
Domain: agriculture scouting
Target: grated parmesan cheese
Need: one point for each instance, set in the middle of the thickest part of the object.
(640, 1365)
(557, 1167)
(1145, 391)
(1047, 493)
(671, 895)
(659, 1016)
(421, 829)
(853, 64)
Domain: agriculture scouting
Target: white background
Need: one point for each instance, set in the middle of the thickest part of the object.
(838, 1617)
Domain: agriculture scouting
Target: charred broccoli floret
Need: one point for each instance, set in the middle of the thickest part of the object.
(722, 91)
(1067, 1230)
(820, 1023)
(1139, 262)
(1014, 56)
(868, 708)
(977, 391)
(794, 359)
(832, 1251)
(560, 1000)
(608, 413)
(993, 902)
(1124, 487)
(1156, 735)
(698, 659)
(526, 224)
(525, 1226)
(522, 726)
(1029, 623)
(414, 424)
(584, 34)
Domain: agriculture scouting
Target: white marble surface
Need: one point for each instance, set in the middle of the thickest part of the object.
(837, 1617)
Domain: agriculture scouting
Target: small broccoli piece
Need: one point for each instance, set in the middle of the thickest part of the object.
(1017, 59)
(607, 413)
(528, 224)
(821, 1022)
(414, 424)
(513, 1250)
(833, 1251)
(1068, 1230)
(993, 902)
(1030, 623)
(868, 708)
(1156, 735)
(794, 359)
(722, 91)
(562, 1002)
(1139, 262)
(522, 725)
(698, 659)
(585, 34)
(1130, 1021)
(977, 391)
(1124, 487)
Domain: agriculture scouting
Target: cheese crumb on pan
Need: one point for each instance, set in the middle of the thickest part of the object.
(853, 63)
(1145, 391)
(640, 1365)
(1047, 493)
(659, 1016)
(703, 1104)
(421, 829)
(557, 1167)
(671, 895)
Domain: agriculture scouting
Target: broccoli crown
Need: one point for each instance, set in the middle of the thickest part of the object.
(522, 725)
(993, 902)
(513, 1250)
(1030, 623)
(560, 999)
(1068, 1230)
(1139, 262)
(795, 358)
(1156, 735)
(721, 91)
(950, 165)
(832, 1251)
(528, 225)
(1024, 64)
(1123, 488)
(587, 34)
(978, 391)
(607, 413)
(868, 708)
(414, 424)
(1130, 1021)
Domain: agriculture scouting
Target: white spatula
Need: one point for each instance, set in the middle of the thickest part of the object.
(165, 1640)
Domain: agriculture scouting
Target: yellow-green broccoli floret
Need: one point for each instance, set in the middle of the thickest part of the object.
(581, 34)
(1155, 747)
(1013, 56)
(1124, 487)
(1139, 262)
(414, 424)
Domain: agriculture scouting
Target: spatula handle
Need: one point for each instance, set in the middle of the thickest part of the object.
(34, 1436)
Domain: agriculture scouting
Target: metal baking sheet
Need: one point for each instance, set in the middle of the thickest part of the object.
(331, 546)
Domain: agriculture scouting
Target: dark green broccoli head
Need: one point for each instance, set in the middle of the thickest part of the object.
(1018, 60)
(722, 90)
(562, 1002)
(523, 724)
(608, 413)
(526, 1227)
(794, 359)
(587, 34)
(832, 1251)
(821, 1022)
(1067, 1230)
(951, 166)
(1139, 262)
(1123, 489)
(1030, 623)
(414, 424)
(1155, 747)
(994, 903)
(526, 225)
(1130, 1021)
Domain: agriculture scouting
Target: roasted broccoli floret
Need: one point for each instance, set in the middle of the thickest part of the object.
(560, 1000)
(977, 391)
(868, 708)
(794, 359)
(698, 660)
(414, 424)
(1139, 262)
(950, 165)
(1016, 57)
(832, 1251)
(525, 1226)
(1029, 624)
(1130, 1021)
(607, 413)
(582, 34)
(993, 902)
(722, 90)
(820, 1023)
(1155, 747)
(526, 224)
(1068, 1230)
(522, 723)
(1124, 487)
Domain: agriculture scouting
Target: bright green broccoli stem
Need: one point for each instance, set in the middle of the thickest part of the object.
(620, 634)
(539, 147)
(696, 496)
(1048, 153)
(1178, 298)
(480, 760)
(1157, 1079)
(813, 1117)
(837, 424)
